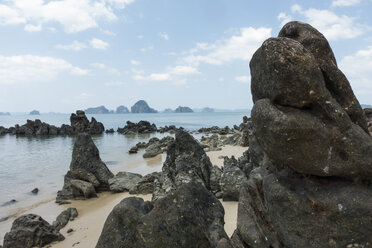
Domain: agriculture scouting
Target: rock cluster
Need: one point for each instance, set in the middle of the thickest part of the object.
(140, 127)
(311, 149)
(79, 124)
(187, 217)
(88, 173)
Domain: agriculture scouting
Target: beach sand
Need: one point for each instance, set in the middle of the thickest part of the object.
(93, 212)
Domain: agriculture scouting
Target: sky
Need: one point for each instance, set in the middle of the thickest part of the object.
(63, 55)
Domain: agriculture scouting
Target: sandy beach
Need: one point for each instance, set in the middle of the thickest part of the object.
(93, 212)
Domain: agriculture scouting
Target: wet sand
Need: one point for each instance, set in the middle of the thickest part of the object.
(93, 212)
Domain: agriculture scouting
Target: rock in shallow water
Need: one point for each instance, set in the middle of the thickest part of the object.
(188, 217)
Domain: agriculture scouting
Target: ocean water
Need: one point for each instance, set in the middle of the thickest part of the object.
(41, 162)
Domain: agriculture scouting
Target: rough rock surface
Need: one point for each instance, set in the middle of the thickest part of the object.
(140, 127)
(312, 155)
(153, 150)
(63, 218)
(368, 113)
(188, 217)
(186, 161)
(86, 166)
(29, 231)
(124, 181)
(232, 179)
(146, 184)
(299, 122)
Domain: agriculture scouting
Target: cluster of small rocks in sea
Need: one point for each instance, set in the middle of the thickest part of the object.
(79, 124)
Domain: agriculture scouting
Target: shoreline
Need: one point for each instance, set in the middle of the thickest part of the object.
(93, 212)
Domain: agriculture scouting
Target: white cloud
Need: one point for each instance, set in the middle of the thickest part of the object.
(357, 68)
(243, 79)
(238, 47)
(164, 35)
(98, 65)
(153, 77)
(99, 44)
(73, 15)
(109, 70)
(183, 70)
(284, 18)
(74, 46)
(135, 62)
(334, 27)
(146, 49)
(344, 3)
(33, 28)
(30, 68)
(115, 83)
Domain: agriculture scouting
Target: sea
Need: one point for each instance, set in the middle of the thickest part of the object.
(41, 162)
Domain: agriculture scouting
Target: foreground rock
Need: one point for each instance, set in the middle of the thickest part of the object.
(188, 217)
(309, 141)
(63, 218)
(146, 184)
(186, 161)
(29, 231)
(88, 173)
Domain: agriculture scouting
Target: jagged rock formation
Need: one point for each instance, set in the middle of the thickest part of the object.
(188, 217)
(142, 107)
(140, 127)
(311, 149)
(87, 174)
(79, 124)
(31, 231)
(186, 161)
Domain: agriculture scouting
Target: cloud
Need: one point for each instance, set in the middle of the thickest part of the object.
(33, 28)
(73, 15)
(243, 79)
(115, 83)
(333, 26)
(344, 3)
(135, 62)
(183, 70)
(146, 49)
(238, 47)
(74, 46)
(357, 67)
(99, 44)
(109, 70)
(30, 68)
(164, 35)
(284, 18)
(153, 77)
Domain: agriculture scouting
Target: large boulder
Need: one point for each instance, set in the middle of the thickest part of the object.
(64, 217)
(299, 122)
(85, 156)
(312, 183)
(146, 184)
(81, 124)
(140, 127)
(186, 161)
(29, 231)
(188, 217)
(124, 181)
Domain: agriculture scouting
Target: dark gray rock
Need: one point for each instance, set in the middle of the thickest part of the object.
(215, 179)
(188, 217)
(63, 218)
(35, 191)
(85, 156)
(186, 161)
(298, 121)
(232, 179)
(111, 130)
(29, 231)
(124, 181)
(84, 188)
(146, 184)
(335, 81)
(153, 150)
(133, 150)
(140, 127)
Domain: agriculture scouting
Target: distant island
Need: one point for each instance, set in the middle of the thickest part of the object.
(34, 112)
(366, 106)
(142, 107)
(207, 110)
(184, 109)
(122, 110)
(97, 110)
(4, 113)
(168, 110)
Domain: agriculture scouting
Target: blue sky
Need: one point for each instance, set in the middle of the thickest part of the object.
(73, 54)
